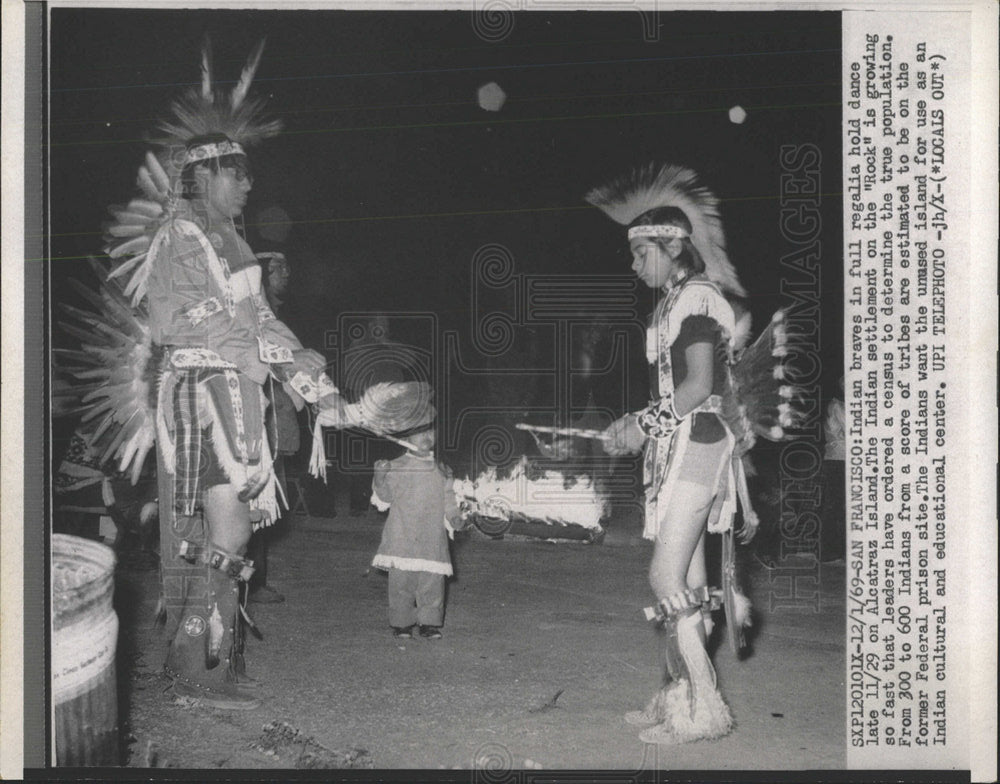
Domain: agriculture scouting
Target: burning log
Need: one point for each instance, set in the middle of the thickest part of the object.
(533, 502)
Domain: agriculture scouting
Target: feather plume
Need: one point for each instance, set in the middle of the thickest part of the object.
(137, 285)
(129, 247)
(149, 209)
(97, 409)
(70, 355)
(113, 362)
(145, 182)
(743, 331)
(157, 172)
(240, 118)
(88, 293)
(216, 631)
(654, 185)
(206, 70)
(122, 315)
(125, 217)
(742, 610)
(125, 266)
(767, 406)
(125, 229)
(246, 78)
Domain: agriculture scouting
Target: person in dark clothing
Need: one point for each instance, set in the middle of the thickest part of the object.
(282, 428)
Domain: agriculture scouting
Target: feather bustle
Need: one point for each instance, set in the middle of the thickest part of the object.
(128, 247)
(145, 208)
(158, 174)
(145, 182)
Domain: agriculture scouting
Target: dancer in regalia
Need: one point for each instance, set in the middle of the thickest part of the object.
(180, 356)
(702, 419)
(215, 344)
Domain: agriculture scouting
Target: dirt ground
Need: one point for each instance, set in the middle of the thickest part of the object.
(545, 648)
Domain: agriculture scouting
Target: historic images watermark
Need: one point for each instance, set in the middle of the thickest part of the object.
(549, 350)
(493, 20)
(795, 579)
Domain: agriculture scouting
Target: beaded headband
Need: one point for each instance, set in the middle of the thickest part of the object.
(657, 231)
(204, 152)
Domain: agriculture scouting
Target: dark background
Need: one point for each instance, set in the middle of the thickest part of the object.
(393, 176)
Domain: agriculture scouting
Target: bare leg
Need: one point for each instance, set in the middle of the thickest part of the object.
(681, 537)
(691, 707)
(697, 574)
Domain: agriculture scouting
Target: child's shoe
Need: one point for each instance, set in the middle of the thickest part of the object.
(403, 632)
(430, 632)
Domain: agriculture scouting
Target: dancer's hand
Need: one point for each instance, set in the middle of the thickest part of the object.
(334, 411)
(623, 436)
(332, 402)
(308, 361)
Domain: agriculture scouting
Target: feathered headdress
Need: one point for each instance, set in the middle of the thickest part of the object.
(113, 363)
(655, 185)
(200, 111)
(205, 110)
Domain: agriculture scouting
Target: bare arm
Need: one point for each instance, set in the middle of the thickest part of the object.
(696, 387)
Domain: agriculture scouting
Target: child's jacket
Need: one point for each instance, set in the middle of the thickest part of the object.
(421, 496)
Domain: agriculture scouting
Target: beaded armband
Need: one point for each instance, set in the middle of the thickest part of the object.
(659, 420)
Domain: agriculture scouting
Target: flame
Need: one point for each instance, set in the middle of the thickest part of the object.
(542, 497)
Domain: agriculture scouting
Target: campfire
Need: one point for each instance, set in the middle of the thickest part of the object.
(547, 502)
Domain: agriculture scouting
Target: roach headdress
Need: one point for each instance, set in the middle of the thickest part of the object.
(666, 185)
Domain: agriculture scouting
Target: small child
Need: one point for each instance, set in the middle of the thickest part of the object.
(414, 548)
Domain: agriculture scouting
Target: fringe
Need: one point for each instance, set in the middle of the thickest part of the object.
(237, 473)
(691, 710)
(266, 501)
(190, 232)
(378, 503)
(168, 381)
(701, 298)
(656, 709)
(658, 497)
(317, 458)
(386, 562)
(711, 718)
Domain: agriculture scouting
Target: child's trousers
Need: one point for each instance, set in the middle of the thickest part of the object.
(415, 597)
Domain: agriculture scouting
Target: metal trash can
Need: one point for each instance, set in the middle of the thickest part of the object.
(84, 641)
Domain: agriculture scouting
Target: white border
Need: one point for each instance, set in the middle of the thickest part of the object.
(12, 396)
(983, 313)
